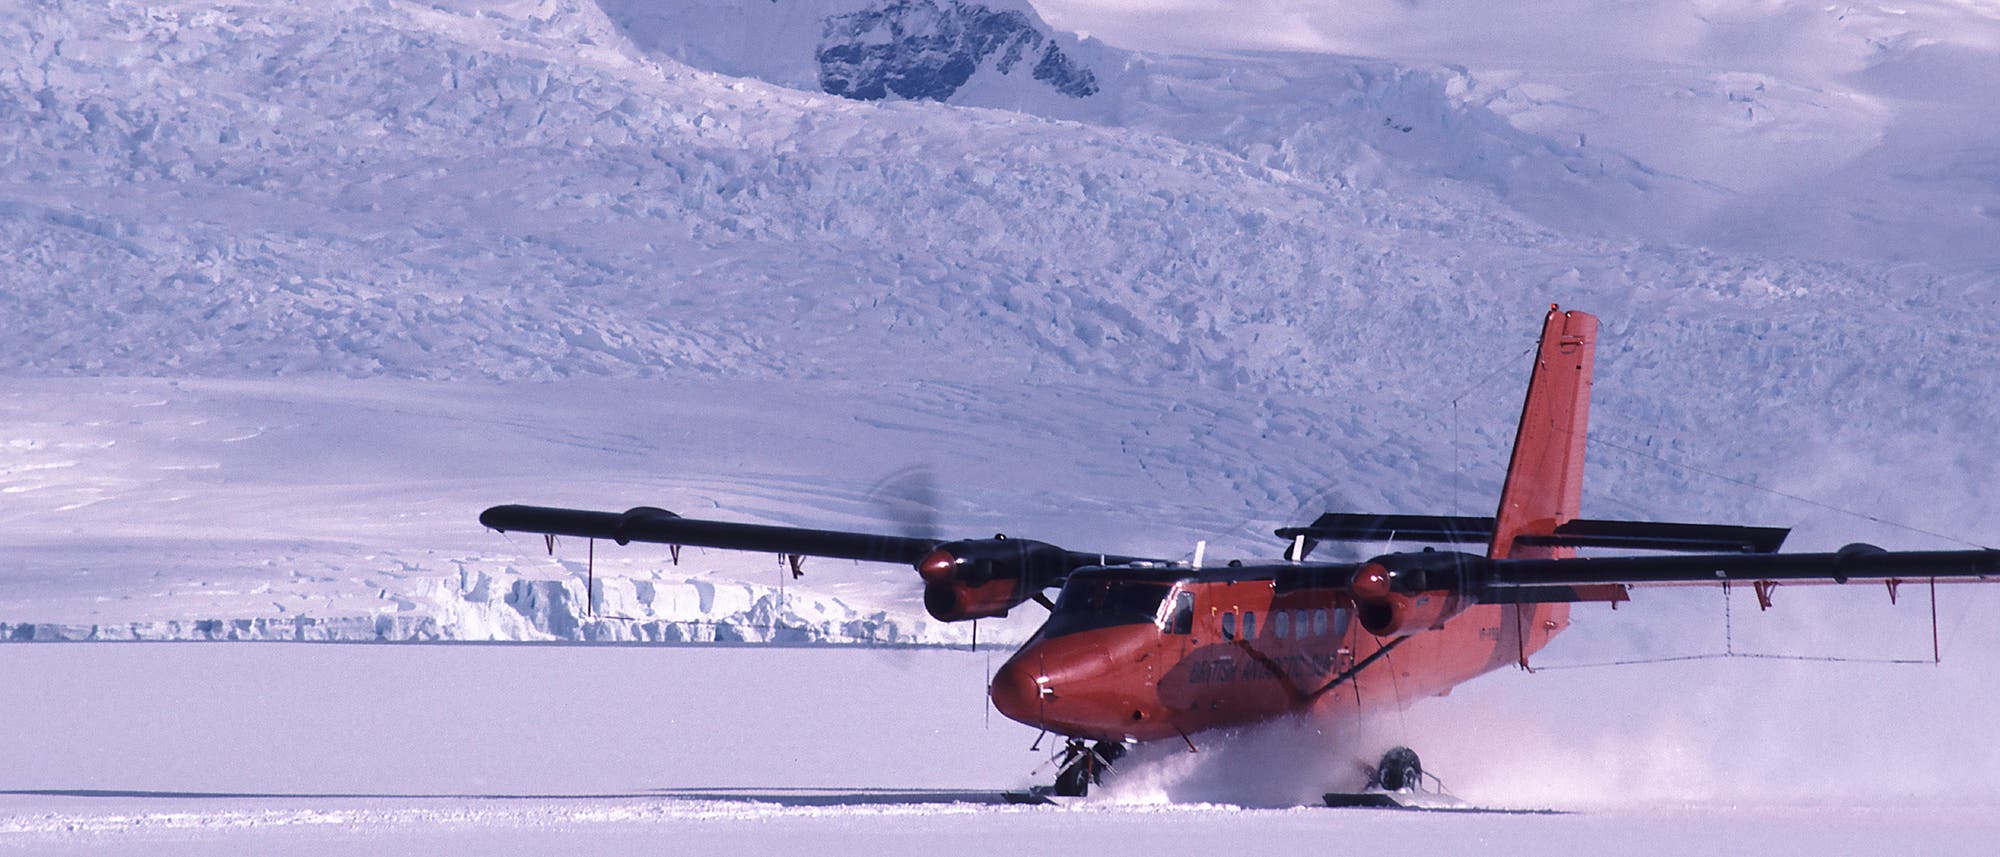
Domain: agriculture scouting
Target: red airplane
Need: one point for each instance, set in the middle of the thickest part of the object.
(1138, 649)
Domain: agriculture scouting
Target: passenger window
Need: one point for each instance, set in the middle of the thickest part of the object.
(1181, 620)
(1280, 625)
(1229, 626)
(1299, 623)
(1249, 625)
(1319, 623)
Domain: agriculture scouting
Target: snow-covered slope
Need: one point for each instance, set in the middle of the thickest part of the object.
(409, 193)
(1331, 120)
(517, 192)
(1845, 130)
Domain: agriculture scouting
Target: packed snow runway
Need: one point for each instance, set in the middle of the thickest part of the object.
(668, 826)
(189, 748)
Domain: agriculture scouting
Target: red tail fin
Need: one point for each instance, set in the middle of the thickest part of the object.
(1545, 477)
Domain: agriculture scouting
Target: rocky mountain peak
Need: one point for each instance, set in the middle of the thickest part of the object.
(926, 50)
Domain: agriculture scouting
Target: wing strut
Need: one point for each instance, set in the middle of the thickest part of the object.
(1937, 655)
(1355, 670)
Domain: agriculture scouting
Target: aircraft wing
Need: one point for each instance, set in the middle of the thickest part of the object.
(648, 524)
(963, 579)
(1853, 562)
(1403, 593)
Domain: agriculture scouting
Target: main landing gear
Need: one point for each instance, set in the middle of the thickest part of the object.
(1397, 782)
(1400, 770)
(1083, 765)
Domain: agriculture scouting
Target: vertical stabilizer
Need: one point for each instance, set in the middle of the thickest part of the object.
(1545, 476)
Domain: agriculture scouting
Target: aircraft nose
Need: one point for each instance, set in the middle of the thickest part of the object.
(1016, 693)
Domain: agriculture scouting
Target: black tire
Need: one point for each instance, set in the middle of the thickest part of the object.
(1088, 769)
(1400, 770)
(1074, 781)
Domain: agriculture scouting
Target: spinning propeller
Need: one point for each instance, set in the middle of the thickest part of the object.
(908, 498)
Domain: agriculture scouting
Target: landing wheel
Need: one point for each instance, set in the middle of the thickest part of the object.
(1400, 770)
(1084, 765)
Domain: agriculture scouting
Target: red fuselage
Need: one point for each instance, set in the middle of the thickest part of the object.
(1249, 652)
(1226, 648)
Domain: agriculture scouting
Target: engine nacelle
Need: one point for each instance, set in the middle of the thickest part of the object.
(981, 578)
(1397, 595)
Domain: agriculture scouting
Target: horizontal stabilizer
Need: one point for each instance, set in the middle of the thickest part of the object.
(1344, 527)
(1660, 536)
(1579, 533)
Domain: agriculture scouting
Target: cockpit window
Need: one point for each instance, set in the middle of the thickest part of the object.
(1089, 603)
(1181, 619)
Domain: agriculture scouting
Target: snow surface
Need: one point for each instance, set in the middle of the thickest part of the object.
(314, 749)
(295, 290)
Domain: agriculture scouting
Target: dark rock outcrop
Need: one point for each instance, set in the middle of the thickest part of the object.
(925, 49)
